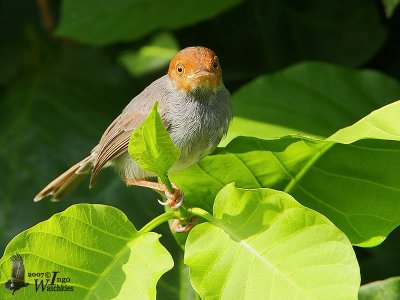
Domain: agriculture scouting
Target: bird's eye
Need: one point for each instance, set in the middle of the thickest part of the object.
(180, 69)
(215, 65)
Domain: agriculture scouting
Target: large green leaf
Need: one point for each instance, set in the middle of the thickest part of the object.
(97, 248)
(265, 245)
(310, 98)
(388, 289)
(151, 146)
(356, 185)
(99, 22)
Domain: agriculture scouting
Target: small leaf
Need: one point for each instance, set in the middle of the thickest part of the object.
(390, 6)
(151, 57)
(97, 247)
(265, 245)
(151, 147)
(388, 289)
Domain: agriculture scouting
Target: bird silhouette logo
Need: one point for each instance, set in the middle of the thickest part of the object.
(17, 280)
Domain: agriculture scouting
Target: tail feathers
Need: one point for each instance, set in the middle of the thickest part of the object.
(66, 183)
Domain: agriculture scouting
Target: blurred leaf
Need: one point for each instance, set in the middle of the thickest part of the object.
(9, 64)
(151, 57)
(110, 260)
(151, 147)
(97, 22)
(345, 182)
(53, 118)
(312, 98)
(390, 6)
(266, 245)
(380, 124)
(15, 16)
(388, 289)
(267, 35)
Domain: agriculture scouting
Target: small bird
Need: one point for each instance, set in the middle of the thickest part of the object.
(17, 280)
(195, 108)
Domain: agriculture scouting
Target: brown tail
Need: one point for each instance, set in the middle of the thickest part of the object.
(67, 181)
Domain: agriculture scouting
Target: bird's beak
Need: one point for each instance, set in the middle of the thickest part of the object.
(200, 73)
(204, 79)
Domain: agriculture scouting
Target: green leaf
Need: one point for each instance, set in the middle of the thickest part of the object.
(151, 57)
(52, 117)
(313, 98)
(388, 289)
(380, 124)
(355, 185)
(151, 146)
(390, 6)
(265, 245)
(267, 35)
(97, 248)
(98, 22)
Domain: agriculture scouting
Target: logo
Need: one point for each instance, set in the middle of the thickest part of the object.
(51, 282)
(44, 281)
(17, 280)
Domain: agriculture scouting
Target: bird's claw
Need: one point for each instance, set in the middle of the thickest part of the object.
(178, 227)
(163, 203)
(174, 200)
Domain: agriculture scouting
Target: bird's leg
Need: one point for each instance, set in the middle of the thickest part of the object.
(174, 200)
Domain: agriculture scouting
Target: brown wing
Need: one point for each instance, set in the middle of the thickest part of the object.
(115, 139)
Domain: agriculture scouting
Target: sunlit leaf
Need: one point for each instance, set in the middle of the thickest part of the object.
(380, 124)
(315, 99)
(97, 247)
(265, 245)
(355, 184)
(151, 146)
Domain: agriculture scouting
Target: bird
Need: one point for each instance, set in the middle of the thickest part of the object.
(17, 280)
(195, 108)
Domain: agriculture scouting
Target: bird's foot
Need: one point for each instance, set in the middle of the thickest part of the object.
(174, 200)
(180, 226)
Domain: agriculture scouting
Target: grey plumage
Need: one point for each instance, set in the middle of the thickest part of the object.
(195, 122)
(195, 109)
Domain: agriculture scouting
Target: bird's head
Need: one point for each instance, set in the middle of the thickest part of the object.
(195, 68)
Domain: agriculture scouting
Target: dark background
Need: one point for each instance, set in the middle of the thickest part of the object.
(63, 80)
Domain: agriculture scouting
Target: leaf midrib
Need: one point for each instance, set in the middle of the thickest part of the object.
(307, 167)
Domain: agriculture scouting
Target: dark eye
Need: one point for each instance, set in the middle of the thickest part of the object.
(179, 69)
(215, 65)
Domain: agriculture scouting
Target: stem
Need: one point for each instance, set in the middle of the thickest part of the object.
(157, 221)
(165, 179)
(204, 214)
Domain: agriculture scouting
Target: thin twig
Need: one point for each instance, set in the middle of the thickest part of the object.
(46, 15)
